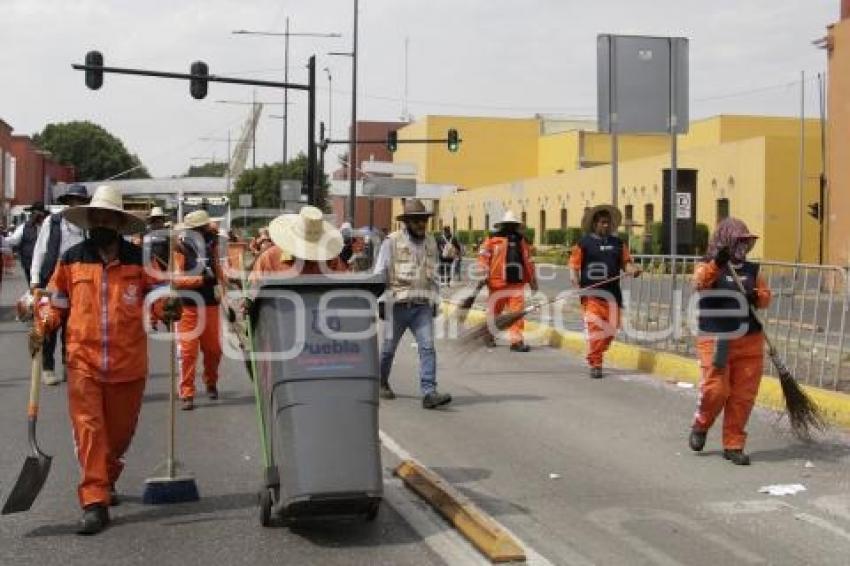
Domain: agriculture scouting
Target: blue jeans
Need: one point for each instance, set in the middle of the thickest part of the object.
(419, 320)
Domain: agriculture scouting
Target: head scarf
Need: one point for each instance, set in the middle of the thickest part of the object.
(733, 234)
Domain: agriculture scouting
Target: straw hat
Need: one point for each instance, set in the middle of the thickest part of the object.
(156, 212)
(508, 218)
(108, 198)
(613, 212)
(414, 209)
(194, 219)
(306, 235)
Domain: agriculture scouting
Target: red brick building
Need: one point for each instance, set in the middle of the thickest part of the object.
(368, 152)
(27, 174)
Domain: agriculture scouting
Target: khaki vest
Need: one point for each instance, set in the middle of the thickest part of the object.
(409, 278)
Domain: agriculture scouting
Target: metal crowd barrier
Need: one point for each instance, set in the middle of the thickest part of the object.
(807, 317)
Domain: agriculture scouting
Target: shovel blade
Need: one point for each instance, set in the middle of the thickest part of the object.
(29, 484)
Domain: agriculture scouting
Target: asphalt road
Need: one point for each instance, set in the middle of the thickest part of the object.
(582, 471)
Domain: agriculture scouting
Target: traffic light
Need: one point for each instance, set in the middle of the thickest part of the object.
(814, 210)
(94, 77)
(453, 142)
(198, 87)
(392, 141)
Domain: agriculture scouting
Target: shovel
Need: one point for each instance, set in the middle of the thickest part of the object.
(37, 465)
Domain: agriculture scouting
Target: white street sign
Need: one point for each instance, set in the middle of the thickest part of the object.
(388, 168)
(245, 201)
(389, 187)
(683, 206)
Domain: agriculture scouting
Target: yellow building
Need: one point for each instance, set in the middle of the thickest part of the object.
(746, 166)
(838, 168)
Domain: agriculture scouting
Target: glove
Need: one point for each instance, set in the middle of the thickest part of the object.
(36, 340)
(752, 298)
(172, 310)
(722, 257)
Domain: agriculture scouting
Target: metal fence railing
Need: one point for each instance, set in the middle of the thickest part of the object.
(807, 318)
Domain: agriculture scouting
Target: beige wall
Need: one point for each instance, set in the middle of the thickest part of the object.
(838, 168)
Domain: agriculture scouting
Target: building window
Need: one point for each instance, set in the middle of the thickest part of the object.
(722, 209)
(563, 219)
(487, 221)
(630, 213)
(524, 218)
(648, 214)
(469, 223)
(454, 225)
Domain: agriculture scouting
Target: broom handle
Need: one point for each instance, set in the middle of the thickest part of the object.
(533, 308)
(753, 311)
(172, 343)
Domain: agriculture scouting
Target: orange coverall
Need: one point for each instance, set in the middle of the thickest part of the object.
(601, 316)
(492, 258)
(107, 361)
(732, 389)
(190, 337)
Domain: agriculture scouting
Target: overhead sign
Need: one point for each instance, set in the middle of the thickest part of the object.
(683, 206)
(388, 168)
(290, 190)
(245, 201)
(642, 84)
(389, 187)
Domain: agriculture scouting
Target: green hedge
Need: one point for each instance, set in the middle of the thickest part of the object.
(554, 237)
(700, 238)
(529, 233)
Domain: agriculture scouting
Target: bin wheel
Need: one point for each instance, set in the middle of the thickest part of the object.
(266, 502)
(372, 513)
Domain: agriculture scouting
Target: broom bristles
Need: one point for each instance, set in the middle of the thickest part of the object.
(482, 330)
(803, 414)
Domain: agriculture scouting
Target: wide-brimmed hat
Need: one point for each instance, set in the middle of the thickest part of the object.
(74, 191)
(508, 218)
(194, 219)
(306, 235)
(37, 206)
(613, 212)
(157, 212)
(108, 198)
(414, 208)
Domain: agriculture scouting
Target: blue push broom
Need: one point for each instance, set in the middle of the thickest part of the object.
(175, 486)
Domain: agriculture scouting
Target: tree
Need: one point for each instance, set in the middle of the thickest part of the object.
(264, 183)
(95, 153)
(211, 169)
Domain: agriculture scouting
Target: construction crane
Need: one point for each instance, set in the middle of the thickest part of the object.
(247, 141)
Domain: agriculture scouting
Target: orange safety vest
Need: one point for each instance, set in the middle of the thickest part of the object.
(492, 258)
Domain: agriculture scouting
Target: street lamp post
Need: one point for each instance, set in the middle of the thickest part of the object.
(286, 35)
(330, 102)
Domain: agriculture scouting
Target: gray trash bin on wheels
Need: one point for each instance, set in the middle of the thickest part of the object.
(320, 402)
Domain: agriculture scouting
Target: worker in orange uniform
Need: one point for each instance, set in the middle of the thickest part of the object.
(505, 259)
(99, 288)
(730, 346)
(596, 257)
(197, 270)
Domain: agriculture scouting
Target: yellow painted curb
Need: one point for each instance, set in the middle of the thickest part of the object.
(834, 405)
(490, 538)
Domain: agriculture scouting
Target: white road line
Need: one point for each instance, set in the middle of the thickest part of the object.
(423, 518)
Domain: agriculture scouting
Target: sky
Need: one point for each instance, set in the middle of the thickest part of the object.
(466, 57)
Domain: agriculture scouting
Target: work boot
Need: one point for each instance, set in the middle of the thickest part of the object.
(596, 373)
(386, 391)
(49, 377)
(433, 400)
(187, 403)
(212, 392)
(95, 519)
(697, 439)
(520, 347)
(114, 499)
(737, 457)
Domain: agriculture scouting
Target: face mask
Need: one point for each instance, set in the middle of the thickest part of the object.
(740, 250)
(102, 237)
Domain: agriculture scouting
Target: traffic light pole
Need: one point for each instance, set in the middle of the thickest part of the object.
(310, 88)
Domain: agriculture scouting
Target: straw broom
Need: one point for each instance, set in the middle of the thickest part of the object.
(480, 331)
(803, 414)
